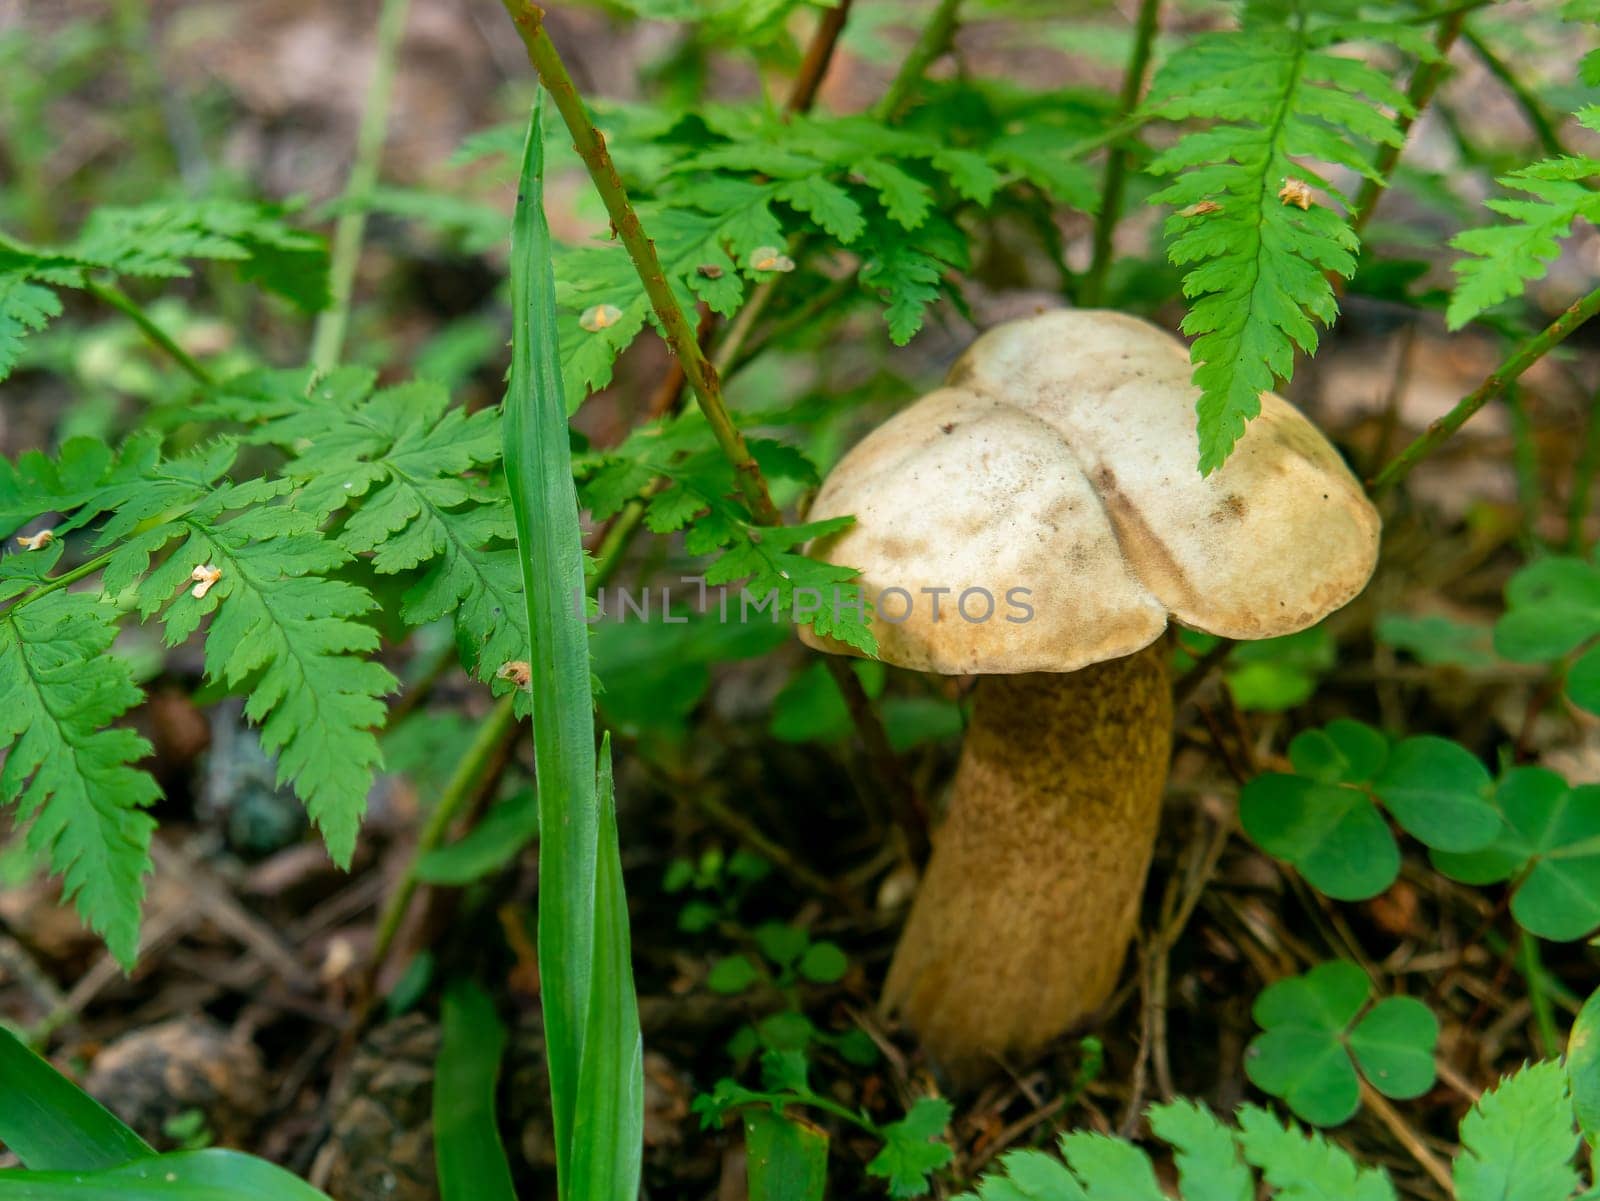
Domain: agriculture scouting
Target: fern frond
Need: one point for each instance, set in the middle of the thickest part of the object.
(704, 239)
(280, 630)
(72, 779)
(25, 307)
(1306, 1167)
(1276, 98)
(696, 502)
(399, 466)
(1504, 258)
(159, 240)
(1519, 1139)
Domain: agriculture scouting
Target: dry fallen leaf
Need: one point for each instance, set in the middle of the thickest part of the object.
(204, 576)
(36, 541)
(1295, 191)
(599, 316)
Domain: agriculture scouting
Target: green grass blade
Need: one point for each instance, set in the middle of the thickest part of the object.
(211, 1175)
(595, 1079)
(466, 1142)
(609, 1126)
(539, 474)
(51, 1123)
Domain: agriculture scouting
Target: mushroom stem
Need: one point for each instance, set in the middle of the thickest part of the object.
(1023, 918)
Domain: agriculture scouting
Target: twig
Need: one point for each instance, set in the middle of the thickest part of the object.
(1407, 1138)
(702, 375)
(1196, 675)
(154, 334)
(1525, 356)
(909, 814)
(327, 342)
(1116, 176)
(1424, 83)
(591, 147)
(933, 41)
(819, 54)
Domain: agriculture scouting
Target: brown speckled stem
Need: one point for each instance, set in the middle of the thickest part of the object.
(1022, 921)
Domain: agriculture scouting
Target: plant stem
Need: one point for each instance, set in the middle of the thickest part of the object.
(933, 41)
(1532, 110)
(1105, 223)
(1424, 83)
(1544, 1014)
(1583, 480)
(1525, 356)
(112, 295)
(1525, 463)
(327, 343)
(463, 784)
(819, 54)
(680, 334)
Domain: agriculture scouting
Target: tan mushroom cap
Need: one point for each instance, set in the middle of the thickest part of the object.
(1060, 458)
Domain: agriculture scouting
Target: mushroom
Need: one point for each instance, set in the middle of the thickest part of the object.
(1037, 522)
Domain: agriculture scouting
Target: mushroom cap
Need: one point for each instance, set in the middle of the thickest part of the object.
(1059, 458)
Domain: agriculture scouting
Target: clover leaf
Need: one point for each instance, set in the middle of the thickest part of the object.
(1552, 609)
(1315, 1038)
(1549, 845)
(1324, 818)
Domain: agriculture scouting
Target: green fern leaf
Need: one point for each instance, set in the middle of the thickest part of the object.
(159, 239)
(1110, 1169)
(25, 307)
(1306, 1167)
(1504, 258)
(1209, 1164)
(400, 465)
(1028, 1176)
(1519, 1139)
(704, 239)
(280, 631)
(1275, 97)
(72, 779)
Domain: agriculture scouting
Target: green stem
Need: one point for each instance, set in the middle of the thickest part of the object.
(1525, 462)
(1424, 83)
(609, 553)
(679, 332)
(462, 786)
(1544, 1014)
(933, 41)
(1532, 110)
(327, 343)
(1583, 480)
(1525, 356)
(1105, 223)
(158, 337)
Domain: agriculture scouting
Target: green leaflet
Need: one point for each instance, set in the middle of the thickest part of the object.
(471, 1160)
(404, 468)
(591, 1019)
(50, 1123)
(76, 1150)
(1275, 96)
(68, 774)
(212, 1175)
(281, 631)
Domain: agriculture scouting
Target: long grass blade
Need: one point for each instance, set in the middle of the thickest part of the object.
(212, 1175)
(466, 1142)
(53, 1124)
(599, 1098)
(609, 1127)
